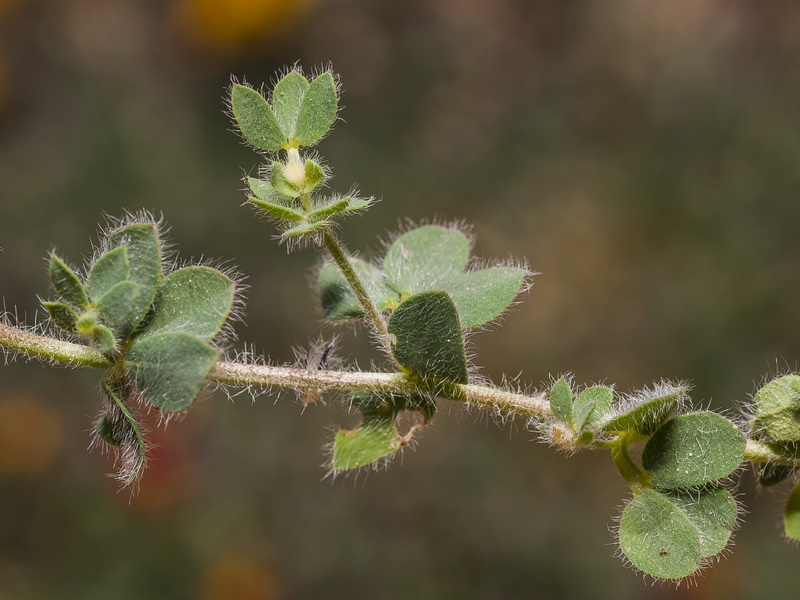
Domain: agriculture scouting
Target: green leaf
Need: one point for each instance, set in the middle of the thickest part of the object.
(194, 300)
(658, 537)
(328, 210)
(287, 98)
(271, 201)
(376, 437)
(777, 407)
(108, 430)
(263, 190)
(354, 203)
(339, 302)
(117, 304)
(255, 119)
(118, 427)
(86, 322)
(317, 111)
(428, 338)
(772, 474)
(144, 260)
(692, 450)
(481, 296)
(62, 315)
(104, 339)
(279, 182)
(712, 510)
(647, 412)
(561, 401)
(278, 211)
(591, 405)
(170, 368)
(110, 268)
(314, 175)
(424, 258)
(791, 516)
(304, 228)
(66, 283)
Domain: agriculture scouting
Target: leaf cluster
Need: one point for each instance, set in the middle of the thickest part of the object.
(156, 330)
(300, 114)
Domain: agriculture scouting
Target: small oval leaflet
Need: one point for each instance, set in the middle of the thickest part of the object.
(429, 343)
(692, 450)
(651, 523)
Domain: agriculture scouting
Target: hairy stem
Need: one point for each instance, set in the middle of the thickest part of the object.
(39, 346)
(766, 452)
(19, 341)
(373, 314)
(239, 374)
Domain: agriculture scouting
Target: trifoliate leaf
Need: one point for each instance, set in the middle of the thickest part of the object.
(339, 302)
(424, 258)
(561, 401)
(428, 338)
(481, 296)
(317, 111)
(591, 405)
(692, 450)
(196, 300)
(62, 315)
(66, 283)
(255, 119)
(111, 268)
(170, 368)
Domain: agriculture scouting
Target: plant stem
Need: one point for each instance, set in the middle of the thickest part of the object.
(39, 346)
(372, 312)
(15, 340)
(239, 374)
(635, 477)
(765, 452)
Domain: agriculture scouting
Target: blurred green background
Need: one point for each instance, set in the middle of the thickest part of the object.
(642, 156)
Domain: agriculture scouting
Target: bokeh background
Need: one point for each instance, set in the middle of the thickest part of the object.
(642, 156)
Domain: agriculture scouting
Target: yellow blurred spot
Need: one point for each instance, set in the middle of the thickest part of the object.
(240, 577)
(7, 6)
(233, 22)
(30, 436)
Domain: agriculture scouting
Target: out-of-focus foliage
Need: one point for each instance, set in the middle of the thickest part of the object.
(642, 156)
